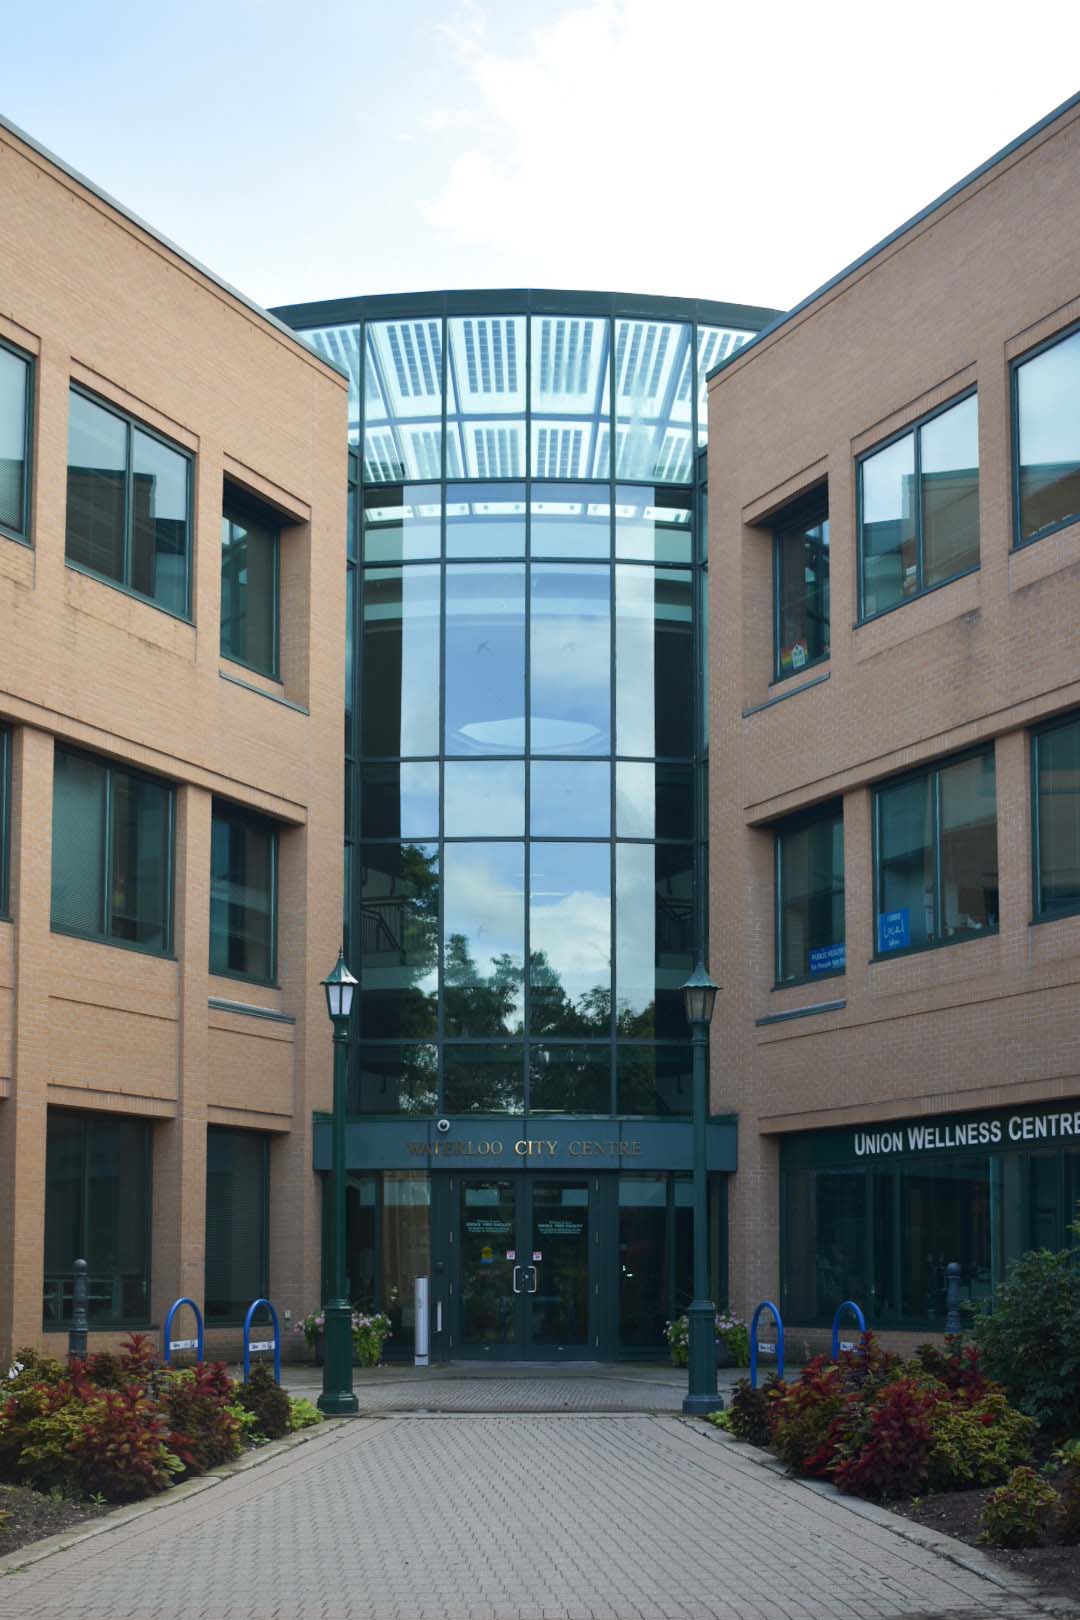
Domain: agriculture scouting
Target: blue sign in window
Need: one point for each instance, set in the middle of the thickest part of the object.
(828, 959)
(894, 930)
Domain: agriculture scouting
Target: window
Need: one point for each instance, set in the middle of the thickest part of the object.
(237, 1207)
(5, 815)
(129, 505)
(919, 508)
(936, 865)
(1055, 770)
(1046, 417)
(250, 545)
(810, 895)
(801, 585)
(16, 393)
(112, 853)
(97, 1209)
(243, 895)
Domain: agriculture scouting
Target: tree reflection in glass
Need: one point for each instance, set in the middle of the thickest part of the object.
(399, 939)
(484, 938)
(570, 939)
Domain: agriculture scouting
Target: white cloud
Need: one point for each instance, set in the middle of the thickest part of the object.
(708, 150)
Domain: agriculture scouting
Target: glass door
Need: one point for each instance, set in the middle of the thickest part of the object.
(523, 1261)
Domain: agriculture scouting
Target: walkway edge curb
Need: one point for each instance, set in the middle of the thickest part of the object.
(34, 1551)
(935, 1541)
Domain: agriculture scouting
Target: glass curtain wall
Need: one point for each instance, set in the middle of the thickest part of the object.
(524, 728)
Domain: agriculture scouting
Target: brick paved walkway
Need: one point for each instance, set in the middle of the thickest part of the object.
(509, 1517)
(520, 1387)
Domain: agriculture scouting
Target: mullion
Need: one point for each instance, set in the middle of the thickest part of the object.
(129, 504)
(920, 559)
(108, 855)
(935, 781)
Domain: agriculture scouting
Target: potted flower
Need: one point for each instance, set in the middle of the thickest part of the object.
(370, 1331)
(732, 1340)
(312, 1326)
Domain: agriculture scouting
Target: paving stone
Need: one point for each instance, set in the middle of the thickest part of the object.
(481, 1515)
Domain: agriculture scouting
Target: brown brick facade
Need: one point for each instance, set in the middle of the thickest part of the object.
(993, 1021)
(97, 299)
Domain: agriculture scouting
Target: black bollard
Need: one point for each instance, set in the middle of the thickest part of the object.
(77, 1331)
(953, 1322)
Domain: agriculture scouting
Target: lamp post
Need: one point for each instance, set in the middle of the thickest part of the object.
(699, 997)
(337, 1392)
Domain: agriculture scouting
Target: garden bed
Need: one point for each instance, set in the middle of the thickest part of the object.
(27, 1515)
(956, 1513)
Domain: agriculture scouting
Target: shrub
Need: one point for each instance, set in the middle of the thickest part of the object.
(304, 1414)
(1018, 1513)
(1067, 1523)
(268, 1401)
(203, 1432)
(801, 1417)
(958, 1366)
(118, 1446)
(138, 1358)
(1030, 1338)
(977, 1444)
(883, 1441)
(749, 1410)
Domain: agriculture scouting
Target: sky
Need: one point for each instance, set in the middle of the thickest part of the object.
(692, 147)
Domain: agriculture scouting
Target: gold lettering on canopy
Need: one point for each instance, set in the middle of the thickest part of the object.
(527, 1148)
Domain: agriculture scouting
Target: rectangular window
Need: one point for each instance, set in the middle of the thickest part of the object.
(250, 561)
(237, 1207)
(1046, 417)
(97, 1209)
(1055, 769)
(810, 895)
(243, 895)
(16, 394)
(801, 586)
(919, 508)
(936, 863)
(129, 505)
(5, 817)
(112, 853)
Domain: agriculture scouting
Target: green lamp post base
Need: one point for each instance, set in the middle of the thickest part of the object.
(337, 1398)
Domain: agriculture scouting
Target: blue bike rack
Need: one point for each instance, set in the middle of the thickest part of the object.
(170, 1344)
(848, 1305)
(766, 1305)
(273, 1344)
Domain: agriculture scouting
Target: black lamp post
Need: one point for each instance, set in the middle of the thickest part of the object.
(337, 1392)
(699, 998)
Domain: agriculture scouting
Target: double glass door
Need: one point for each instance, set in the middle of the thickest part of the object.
(522, 1266)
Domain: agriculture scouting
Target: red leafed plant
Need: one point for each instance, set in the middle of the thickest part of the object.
(883, 1447)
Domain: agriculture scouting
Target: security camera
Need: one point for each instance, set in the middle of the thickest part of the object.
(443, 1125)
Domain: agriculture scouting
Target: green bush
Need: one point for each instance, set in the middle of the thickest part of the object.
(1018, 1513)
(268, 1401)
(1029, 1336)
(978, 1444)
(303, 1413)
(1067, 1524)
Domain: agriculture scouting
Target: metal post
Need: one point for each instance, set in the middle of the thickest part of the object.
(953, 1320)
(701, 1394)
(337, 1393)
(79, 1292)
(423, 1322)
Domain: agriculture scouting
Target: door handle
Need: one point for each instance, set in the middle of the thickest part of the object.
(532, 1269)
(516, 1285)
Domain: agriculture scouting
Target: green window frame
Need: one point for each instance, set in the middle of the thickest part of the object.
(141, 540)
(805, 521)
(99, 1206)
(931, 519)
(5, 819)
(15, 487)
(131, 906)
(940, 869)
(818, 908)
(240, 930)
(250, 584)
(237, 1246)
(1067, 829)
(1065, 346)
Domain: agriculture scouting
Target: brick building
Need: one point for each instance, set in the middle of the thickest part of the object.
(895, 756)
(172, 534)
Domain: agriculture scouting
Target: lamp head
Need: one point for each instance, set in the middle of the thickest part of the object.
(699, 996)
(340, 986)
